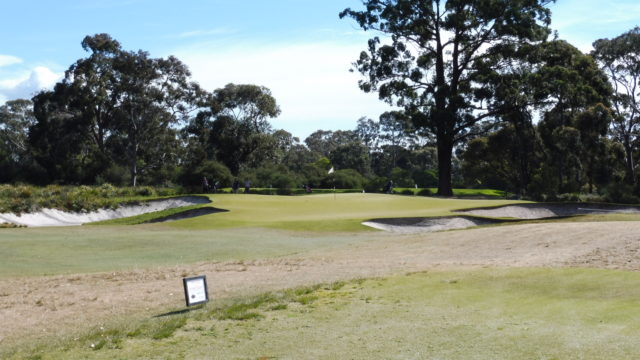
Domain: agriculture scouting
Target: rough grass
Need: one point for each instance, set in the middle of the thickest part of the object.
(23, 198)
(466, 314)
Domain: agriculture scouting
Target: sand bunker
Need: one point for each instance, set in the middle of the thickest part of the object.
(520, 211)
(542, 211)
(421, 225)
(53, 217)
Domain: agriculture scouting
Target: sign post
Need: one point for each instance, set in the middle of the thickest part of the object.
(195, 290)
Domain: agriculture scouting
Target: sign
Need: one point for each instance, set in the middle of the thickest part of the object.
(195, 290)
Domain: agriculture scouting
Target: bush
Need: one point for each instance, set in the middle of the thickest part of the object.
(214, 172)
(569, 197)
(345, 179)
(23, 199)
(425, 192)
(407, 192)
(620, 193)
(375, 185)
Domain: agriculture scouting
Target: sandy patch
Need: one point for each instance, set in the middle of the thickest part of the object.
(542, 211)
(420, 225)
(54, 305)
(54, 217)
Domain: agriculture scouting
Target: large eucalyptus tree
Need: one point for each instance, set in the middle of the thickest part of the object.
(426, 61)
(620, 59)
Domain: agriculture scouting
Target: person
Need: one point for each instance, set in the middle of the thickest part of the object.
(216, 184)
(235, 186)
(205, 185)
(308, 189)
(247, 186)
(389, 187)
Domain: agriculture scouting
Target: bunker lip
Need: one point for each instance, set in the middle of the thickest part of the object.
(417, 225)
(54, 217)
(188, 214)
(550, 210)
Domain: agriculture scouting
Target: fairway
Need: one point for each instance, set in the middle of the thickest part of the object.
(111, 280)
(256, 226)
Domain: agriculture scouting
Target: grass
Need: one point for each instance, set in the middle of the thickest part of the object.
(325, 212)
(465, 314)
(271, 226)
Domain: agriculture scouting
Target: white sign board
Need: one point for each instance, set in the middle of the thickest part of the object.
(195, 290)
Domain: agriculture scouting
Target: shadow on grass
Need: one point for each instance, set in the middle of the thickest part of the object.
(179, 312)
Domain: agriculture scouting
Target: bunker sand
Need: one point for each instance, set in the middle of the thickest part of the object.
(46, 306)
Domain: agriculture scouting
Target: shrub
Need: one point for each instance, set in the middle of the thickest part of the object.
(425, 192)
(407, 192)
(145, 191)
(569, 197)
(345, 179)
(214, 172)
(375, 185)
(620, 193)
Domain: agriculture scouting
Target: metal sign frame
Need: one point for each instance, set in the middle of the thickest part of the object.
(196, 291)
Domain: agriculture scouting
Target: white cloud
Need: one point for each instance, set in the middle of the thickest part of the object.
(311, 82)
(26, 86)
(6, 60)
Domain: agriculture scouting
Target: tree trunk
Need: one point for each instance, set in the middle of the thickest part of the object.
(631, 171)
(134, 174)
(445, 149)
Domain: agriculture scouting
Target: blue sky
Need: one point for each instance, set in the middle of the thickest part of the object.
(299, 49)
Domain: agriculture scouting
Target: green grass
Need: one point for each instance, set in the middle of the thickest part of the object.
(466, 314)
(325, 212)
(271, 226)
(52, 251)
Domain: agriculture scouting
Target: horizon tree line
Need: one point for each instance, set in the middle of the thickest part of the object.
(486, 99)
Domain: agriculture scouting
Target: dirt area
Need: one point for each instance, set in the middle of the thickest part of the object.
(34, 307)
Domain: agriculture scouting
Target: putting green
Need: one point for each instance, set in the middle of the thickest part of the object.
(326, 212)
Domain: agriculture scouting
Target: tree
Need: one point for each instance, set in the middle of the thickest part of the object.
(249, 105)
(59, 138)
(368, 131)
(429, 66)
(568, 83)
(155, 96)
(16, 117)
(353, 155)
(620, 58)
(234, 128)
(324, 142)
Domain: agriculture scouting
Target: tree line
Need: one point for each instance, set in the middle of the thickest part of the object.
(484, 97)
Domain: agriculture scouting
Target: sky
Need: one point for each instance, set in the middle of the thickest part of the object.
(299, 49)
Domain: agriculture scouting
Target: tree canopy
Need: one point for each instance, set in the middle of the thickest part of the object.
(429, 63)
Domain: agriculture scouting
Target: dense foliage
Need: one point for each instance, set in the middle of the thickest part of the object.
(485, 101)
(23, 198)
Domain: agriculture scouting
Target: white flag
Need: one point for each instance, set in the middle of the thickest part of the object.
(331, 170)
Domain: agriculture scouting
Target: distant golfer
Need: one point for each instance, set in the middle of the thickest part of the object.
(388, 188)
(235, 186)
(247, 186)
